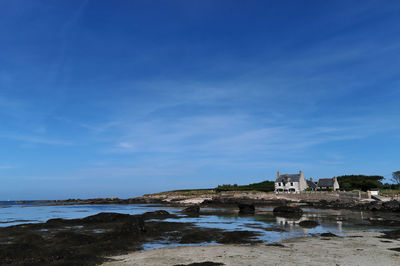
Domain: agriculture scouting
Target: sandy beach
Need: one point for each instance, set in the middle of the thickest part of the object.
(357, 248)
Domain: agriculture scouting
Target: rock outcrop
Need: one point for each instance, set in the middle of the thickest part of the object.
(387, 206)
(288, 212)
(246, 209)
(192, 210)
(308, 224)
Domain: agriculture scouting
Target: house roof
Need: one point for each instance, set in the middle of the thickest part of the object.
(311, 184)
(288, 178)
(325, 182)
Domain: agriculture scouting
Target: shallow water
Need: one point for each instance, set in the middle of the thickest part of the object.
(274, 229)
(269, 227)
(13, 214)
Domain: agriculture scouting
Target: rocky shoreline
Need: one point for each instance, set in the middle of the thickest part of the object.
(88, 241)
(182, 199)
(93, 239)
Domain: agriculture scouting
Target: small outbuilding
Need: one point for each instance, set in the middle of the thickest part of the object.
(328, 184)
(311, 184)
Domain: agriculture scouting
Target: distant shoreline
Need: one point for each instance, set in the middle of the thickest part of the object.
(209, 197)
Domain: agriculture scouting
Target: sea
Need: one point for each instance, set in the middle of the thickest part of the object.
(270, 228)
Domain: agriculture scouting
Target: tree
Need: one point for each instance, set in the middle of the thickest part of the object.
(265, 186)
(396, 177)
(359, 182)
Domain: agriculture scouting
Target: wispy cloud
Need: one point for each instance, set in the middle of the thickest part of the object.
(199, 102)
(238, 135)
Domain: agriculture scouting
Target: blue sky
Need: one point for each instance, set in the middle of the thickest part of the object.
(120, 98)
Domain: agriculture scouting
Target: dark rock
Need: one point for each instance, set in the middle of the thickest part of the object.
(192, 210)
(238, 237)
(134, 226)
(199, 236)
(205, 263)
(374, 206)
(329, 234)
(106, 217)
(385, 222)
(323, 202)
(274, 229)
(86, 241)
(231, 201)
(246, 209)
(393, 234)
(275, 245)
(57, 221)
(73, 238)
(392, 205)
(160, 214)
(271, 228)
(308, 224)
(30, 239)
(287, 209)
(389, 206)
(288, 212)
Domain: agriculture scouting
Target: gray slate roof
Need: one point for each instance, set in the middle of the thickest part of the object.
(288, 178)
(311, 184)
(325, 182)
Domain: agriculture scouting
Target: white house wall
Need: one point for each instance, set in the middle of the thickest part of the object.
(335, 185)
(287, 186)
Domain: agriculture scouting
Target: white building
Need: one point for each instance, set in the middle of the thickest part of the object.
(290, 182)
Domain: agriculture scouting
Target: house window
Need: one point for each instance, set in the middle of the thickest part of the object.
(291, 183)
(279, 184)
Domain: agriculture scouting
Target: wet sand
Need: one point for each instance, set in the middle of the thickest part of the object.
(358, 248)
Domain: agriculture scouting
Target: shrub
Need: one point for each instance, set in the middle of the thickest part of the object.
(361, 182)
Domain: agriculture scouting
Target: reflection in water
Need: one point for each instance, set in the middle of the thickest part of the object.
(291, 225)
(339, 224)
(274, 228)
(288, 221)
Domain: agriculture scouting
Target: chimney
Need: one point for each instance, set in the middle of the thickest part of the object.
(279, 174)
(334, 179)
(311, 179)
(301, 173)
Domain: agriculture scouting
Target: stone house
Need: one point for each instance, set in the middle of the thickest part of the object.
(328, 184)
(290, 183)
